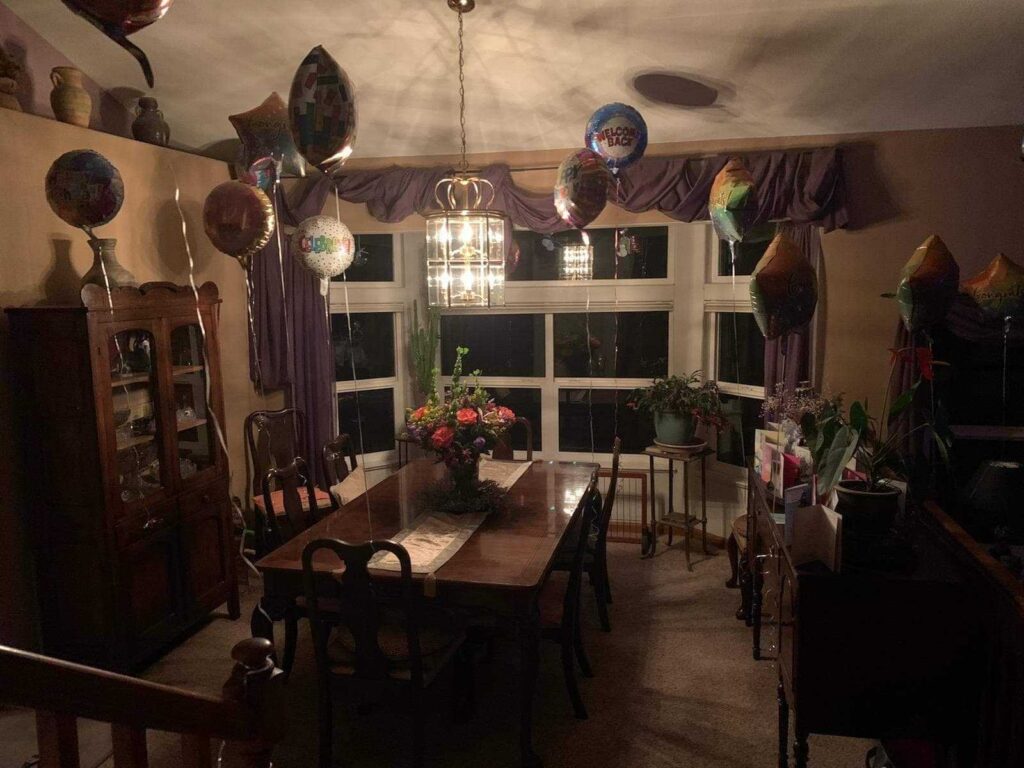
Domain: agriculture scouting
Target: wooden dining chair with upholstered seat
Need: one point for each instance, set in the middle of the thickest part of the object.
(342, 474)
(503, 448)
(374, 631)
(559, 604)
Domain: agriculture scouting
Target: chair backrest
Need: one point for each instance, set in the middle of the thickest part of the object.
(298, 516)
(357, 603)
(503, 448)
(585, 518)
(339, 458)
(272, 439)
(605, 517)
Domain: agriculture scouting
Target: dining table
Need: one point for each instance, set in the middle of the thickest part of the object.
(497, 574)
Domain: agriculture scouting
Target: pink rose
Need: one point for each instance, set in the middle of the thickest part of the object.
(506, 414)
(419, 413)
(442, 437)
(467, 417)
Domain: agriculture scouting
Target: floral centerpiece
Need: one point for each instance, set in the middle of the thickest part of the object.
(460, 427)
(679, 404)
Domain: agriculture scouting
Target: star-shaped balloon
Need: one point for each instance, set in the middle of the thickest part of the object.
(783, 289)
(264, 132)
(998, 289)
(928, 285)
(732, 204)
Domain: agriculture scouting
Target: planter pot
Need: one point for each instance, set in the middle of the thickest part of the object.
(866, 514)
(70, 102)
(106, 271)
(674, 428)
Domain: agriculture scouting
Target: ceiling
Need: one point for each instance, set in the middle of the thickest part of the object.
(536, 69)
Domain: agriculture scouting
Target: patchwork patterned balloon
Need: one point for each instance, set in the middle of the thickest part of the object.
(581, 191)
(783, 289)
(264, 132)
(322, 110)
(618, 133)
(732, 204)
(119, 18)
(998, 289)
(84, 188)
(324, 246)
(928, 285)
(238, 219)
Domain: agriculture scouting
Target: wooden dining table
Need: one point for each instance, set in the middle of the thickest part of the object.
(498, 573)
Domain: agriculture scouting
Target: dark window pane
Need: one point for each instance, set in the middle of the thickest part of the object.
(748, 253)
(642, 254)
(740, 349)
(374, 261)
(525, 403)
(374, 409)
(371, 347)
(499, 345)
(610, 416)
(622, 344)
(736, 442)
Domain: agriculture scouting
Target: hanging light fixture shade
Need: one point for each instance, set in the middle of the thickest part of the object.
(466, 237)
(577, 262)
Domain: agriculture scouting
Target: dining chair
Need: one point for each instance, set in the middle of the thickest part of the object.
(339, 459)
(559, 604)
(374, 631)
(503, 448)
(595, 561)
(272, 439)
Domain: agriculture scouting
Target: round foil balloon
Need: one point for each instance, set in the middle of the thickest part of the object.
(238, 219)
(998, 289)
(783, 289)
(581, 190)
(322, 110)
(119, 18)
(732, 204)
(618, 133)
(84, 188)
(928, 285)
(264, 132)
(260, 174)
(325, 247)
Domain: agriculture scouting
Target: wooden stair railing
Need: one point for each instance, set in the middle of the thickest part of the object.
(248, 718)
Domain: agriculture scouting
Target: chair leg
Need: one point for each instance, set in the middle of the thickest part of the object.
(581, 654)
(570, 678)
(291, 637)
(602, 608)
(607, 582)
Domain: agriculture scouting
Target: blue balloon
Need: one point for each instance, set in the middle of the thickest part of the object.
(618, 133)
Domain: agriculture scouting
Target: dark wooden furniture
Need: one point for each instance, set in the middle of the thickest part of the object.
(246, 717)
(370, 634)
(339, 459)
(867, 653)
(503, 449)
(739, 577)
(272, 439)
(500, 570)
(686, 522)
(129, 515)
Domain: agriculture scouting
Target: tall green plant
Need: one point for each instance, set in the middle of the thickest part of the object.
(423, 341)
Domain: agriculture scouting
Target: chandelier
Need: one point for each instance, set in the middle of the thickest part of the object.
(465, 238)
(577, 263)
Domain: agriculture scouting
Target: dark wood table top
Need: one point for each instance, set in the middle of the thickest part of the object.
(512, 549)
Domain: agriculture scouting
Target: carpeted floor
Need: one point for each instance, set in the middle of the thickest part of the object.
(675, 685)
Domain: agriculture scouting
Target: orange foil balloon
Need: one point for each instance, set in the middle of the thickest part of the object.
(998, 289)
(783, 289)
(928, 285)
(238, 219)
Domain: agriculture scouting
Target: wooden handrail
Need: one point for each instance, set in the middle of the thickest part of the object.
(249, 715)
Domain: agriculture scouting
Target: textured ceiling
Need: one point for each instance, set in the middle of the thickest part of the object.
(538, 68)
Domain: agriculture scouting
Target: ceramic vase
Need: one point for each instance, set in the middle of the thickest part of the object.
(149, 125)
(71, 103)
(8, 100)
(106, 270)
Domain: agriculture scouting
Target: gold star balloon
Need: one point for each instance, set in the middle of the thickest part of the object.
(998, 289)
(783, 289)
(928, 285)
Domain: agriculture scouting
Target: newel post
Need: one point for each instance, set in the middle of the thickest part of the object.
(257, 685)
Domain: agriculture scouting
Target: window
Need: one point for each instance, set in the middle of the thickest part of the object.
(631, 345)
(740, 352)
(524, 402)
(368, 417)
(611, 416)
(499, 344)
(374, 261)
(748, 253)
(369, 349)
(636, 253)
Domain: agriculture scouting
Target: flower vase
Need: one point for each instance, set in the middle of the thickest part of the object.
(106, 271)
(465, 477)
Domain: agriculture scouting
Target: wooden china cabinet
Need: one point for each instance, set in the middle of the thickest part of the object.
(127, 484)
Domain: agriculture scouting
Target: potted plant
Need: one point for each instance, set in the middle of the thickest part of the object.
(423, 349)
(678, 404)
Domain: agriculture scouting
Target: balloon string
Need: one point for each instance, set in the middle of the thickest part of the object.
(1006, 343)
(359, 413)
(289, 352)
(736, 345)
(249, 293)
(590, 363)
(211, 414)
(615, 315)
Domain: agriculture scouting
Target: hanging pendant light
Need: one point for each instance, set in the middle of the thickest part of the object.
(466, 237)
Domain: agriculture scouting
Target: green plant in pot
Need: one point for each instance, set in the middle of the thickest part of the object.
(678, 405)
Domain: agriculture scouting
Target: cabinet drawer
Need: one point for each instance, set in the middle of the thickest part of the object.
(212, 495)
(133, 529)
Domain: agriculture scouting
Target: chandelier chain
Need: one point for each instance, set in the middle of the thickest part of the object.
(462, 97)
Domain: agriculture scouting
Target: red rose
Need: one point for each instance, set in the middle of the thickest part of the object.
(442, 437)
(506, 414)
(467, 417)
(419, 413)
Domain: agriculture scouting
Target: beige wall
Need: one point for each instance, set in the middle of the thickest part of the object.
(42, 260)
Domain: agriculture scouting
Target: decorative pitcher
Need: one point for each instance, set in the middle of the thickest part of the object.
(71, 103)
(149, 126)
(106, 271)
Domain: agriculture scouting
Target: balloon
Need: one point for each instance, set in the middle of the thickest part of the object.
(322, 110)
(324, 246)
(512, 256)
(238, 219)
(84, 188)
(928, 285)
(582, 188)
(119, 18)
(732, 204)
(998, 289)
(261, 173)
(783, 289)
(618, 133)
(264, 132)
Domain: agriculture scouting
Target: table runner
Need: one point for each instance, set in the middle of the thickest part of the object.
(435, 538)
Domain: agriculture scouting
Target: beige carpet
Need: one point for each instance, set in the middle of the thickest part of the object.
(675, 686)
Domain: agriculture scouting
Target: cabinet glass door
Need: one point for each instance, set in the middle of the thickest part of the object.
(196, 448)
(136, 415)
